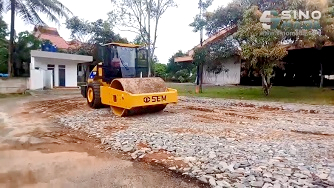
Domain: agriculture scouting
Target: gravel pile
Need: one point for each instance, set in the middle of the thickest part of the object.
(293, 147)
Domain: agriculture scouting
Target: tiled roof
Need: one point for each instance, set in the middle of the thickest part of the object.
(51, 34)
(56, 40)
(220, 35)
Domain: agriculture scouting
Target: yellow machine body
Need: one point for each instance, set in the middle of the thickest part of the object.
(130, 96)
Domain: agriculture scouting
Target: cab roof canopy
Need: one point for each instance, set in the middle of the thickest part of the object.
(122, 45)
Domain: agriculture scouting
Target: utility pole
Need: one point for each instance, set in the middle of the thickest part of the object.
(149, 38)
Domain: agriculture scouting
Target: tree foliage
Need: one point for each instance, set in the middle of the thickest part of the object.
(221, 18)
(29, 11)
(214, 54)
(103, 33)
(173, 67)
(199, 21)
(81, 30)
(24, 43)
(3, 46)
(263, 52)
(226, 16)
(160, 70)
(90, 34)
(180, 72)
(139, 40)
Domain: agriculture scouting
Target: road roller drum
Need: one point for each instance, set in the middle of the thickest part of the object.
(140, 86)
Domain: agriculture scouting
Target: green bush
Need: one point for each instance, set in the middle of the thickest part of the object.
(184, 73)
(3, 60)
(181, 79)
(160, 70)
(192, 78)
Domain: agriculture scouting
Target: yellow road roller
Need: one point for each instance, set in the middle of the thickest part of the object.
(121, 81)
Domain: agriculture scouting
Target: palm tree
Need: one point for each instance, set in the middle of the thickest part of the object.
(29, 11)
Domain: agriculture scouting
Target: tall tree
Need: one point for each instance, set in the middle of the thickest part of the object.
(3, 46)
(232, 14)
(103, 33)
(137, 15)
(263, 52)
(139, 40)
(29, 11)
(81, 34)
(81, 30)
(24, 43)
(199, 25)
(90, 34)
(219, 19)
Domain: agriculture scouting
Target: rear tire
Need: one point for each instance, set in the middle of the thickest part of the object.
(93, 95)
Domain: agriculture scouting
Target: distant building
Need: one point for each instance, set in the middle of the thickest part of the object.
(232, 64)
(51, 34)
(49, 69)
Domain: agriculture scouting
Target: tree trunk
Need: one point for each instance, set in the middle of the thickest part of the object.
(321, 76)
(266, 85)
(201, 79)
(11, 40)
(197, 79)
(201, 42)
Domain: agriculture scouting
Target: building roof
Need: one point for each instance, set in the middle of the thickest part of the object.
(123, 45)
(218, 36)
(56, 40)
(51, 34)
(70, 58)
(310, 45)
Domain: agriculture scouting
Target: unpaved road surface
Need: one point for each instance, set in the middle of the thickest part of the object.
(223, 143)
(36, 151)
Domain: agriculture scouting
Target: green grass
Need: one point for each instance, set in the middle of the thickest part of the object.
(307, 95)
(14, 95)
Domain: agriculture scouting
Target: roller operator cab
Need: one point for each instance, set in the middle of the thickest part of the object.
(121, 81)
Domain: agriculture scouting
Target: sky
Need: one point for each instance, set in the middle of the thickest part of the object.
(174, 32)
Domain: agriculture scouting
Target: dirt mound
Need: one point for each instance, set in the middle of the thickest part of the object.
(140, 85)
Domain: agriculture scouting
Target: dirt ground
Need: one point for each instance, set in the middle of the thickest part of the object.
(37, 152)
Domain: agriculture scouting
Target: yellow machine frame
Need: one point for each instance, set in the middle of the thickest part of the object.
(125, 100)
(122, 99)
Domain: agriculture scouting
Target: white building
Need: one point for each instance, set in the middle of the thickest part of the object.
(232, 64)
(52, 69)
(229, 76)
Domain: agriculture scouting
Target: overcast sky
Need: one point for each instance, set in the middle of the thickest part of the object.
(174, 32)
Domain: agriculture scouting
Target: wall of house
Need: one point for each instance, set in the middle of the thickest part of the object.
(81, 72)
(70, 69)
(13, 85)
(36, 80)
(230, 77)
(48, 79)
